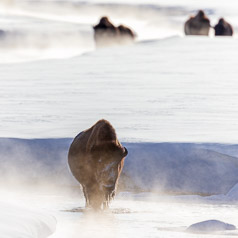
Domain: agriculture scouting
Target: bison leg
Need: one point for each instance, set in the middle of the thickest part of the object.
(86, 197)
(105, 205)
(107, 201)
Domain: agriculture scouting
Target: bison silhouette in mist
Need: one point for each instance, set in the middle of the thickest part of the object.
(96, 159)
(223, 28)
(106, 34)
(197, 25)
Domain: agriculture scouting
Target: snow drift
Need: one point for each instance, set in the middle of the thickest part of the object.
(182, 93)
(18, 222)
(180, 168)
(161, 167)
(210, 226)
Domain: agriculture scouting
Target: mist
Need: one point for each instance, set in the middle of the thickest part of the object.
(64, 29)
(149, 167)
(36, 30)
(156, 188)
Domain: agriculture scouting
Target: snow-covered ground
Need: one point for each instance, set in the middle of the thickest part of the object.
(21, 222)
(61, 29)
(173, 90)
(164, 88)
(177, 168)
(130, 215)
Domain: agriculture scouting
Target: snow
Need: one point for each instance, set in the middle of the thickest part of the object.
(36, 170)
(128, 217)
(20, 222)
(185, 95)
(163, 102)
(62, 29)
(183, 168)
(233, 193)
(210, 226)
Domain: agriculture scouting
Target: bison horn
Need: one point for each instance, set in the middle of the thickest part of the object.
(125, 152)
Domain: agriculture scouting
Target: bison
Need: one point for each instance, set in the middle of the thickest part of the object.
(223, 28)
(106, 34)
(197, 25)
(96, 159)
(126, 34)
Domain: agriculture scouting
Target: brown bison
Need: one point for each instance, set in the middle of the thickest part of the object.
(106, 34)
(197, 25)
(96, 159)
(126, 34)
(223, 28)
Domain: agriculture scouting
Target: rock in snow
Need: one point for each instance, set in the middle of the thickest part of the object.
(210, 226)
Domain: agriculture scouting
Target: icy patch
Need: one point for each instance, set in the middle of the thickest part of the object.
(210, 226)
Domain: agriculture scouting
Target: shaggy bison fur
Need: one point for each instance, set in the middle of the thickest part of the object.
(96, 159)
(197, 25)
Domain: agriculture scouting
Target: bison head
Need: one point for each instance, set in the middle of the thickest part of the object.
(108, 161)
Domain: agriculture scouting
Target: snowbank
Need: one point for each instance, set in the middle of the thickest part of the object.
(170, 167)
(160, 91)
(17, 222)
(178, 167)
(210, 226)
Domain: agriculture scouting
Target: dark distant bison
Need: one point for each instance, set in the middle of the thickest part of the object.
(223, 28)
(106, 34)
(96, 159)
(197, 25)
(126, 34)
